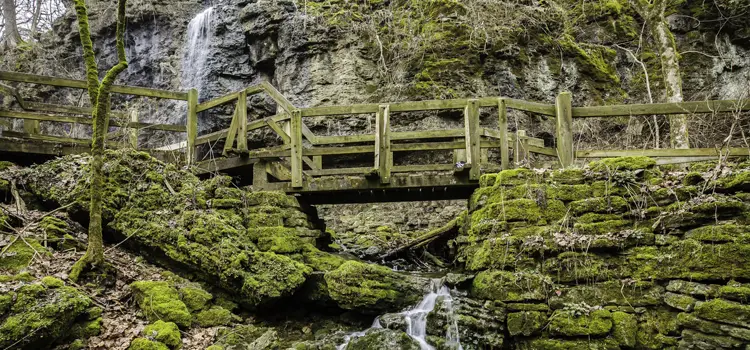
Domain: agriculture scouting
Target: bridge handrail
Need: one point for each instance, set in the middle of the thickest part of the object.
(472, 139)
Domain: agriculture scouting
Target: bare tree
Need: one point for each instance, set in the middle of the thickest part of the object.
(11, 38)
(653, 13)
(99, 94)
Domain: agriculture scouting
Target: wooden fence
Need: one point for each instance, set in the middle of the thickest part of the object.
(305, 151)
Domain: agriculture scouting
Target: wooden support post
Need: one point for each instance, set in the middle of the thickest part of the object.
(31, 126)
(521, 155)
(232, 133)
(192, 125)
(471, 123)
(318, 162)
(383, 154)
(133, 132)
(503, 128)
(564, 113)
(242, 122)
(296, 136)
(260, 176)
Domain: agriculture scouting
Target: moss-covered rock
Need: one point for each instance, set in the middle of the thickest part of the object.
(563, 344)
(383, 339)
(622, 164)
(195, 298)
(247, 337)
(623, 293)
(159, 300)
(564, 323)
(146, 344)
(624, 328)
(508, 286)
(371, 288)
(679, 301)
(37, 316)
(688, 320)
(18, 255)
(526, 323)
(215, 316)
(164, 332)
(721, 310)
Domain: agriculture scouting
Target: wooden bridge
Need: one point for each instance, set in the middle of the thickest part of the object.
(296, 164)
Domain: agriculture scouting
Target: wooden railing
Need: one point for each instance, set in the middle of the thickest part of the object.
(305, 150)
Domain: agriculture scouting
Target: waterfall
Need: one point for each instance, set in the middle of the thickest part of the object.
(416, 319)
(199, 37)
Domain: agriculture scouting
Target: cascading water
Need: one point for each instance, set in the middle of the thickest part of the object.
(416, 319)
(199, 37)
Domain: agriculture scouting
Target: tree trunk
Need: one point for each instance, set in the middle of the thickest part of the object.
(99, 94)
(678, 128)
(35, 19)
(11, 37)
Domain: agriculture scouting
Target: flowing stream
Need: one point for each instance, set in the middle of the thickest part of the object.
(199, 37)
(416, 319)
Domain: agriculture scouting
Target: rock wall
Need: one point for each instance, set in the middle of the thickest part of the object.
(619, 254)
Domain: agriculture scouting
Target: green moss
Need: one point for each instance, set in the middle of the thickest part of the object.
(322, 261)
(594, 59)
(146, 344)
(525, 323)
(597, 323)
(624, 329)
(725, 311)
(164, 332)
(720, 233)
(601, 205)
(160, 301)
(579, 267)
(569, 176)
(679, 301)
(690, 259)
(77, 344)
(622, 164)
(19, 254)
(215, 316)
(735, 291)
(737, 181)
(215, 347)
(52, 282)
(561, 344)
(624, 293)
(195, 298)
(600, 228)
(355, 285)
(655, 329)
(40, 316)
(509, 286)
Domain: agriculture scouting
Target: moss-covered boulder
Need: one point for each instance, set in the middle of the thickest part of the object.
(383, 339)
(508, 286)
(571, 324)
(247, 337)
(372, 288)
(526, 323)
(36, 315)
(215, 316)
(146, 344)
(18, 254)
(164, 332)
(159, 300)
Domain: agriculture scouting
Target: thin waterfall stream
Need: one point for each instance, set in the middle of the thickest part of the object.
(199, 37)
(416, 319)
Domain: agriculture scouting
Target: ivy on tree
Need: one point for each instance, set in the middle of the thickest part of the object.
(99, 95)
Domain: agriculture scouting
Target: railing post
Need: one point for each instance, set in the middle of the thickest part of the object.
(31, 126)
(242, 122)
(521, 149)
(232, 133)
(260, 176)
(192, 125)
(383, 155)
(471, 123)
(564, 114)
(133, 132)
(296, 136)
(502, 125)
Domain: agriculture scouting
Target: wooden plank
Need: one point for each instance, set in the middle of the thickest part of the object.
(30, 136)
(339, 171)
(428, 146)
(278, 130)
(220, 164)
(521, 149)
(31, 126)
(81, 84)
(502, 126)
(278, 97)
(133, 132)
(232, 133)
(395, 136)
(296, 144)
(82, 120)
(308, 134)
(218, 101)
(192, 126)
(242, 119)
(472, 139)
(48, 107)
(663, 108)
(332, 151)
(691, 152)
(36, 147)
(533, 107)
(383, 154)
(422, 168)
(216, 135)
(564, 129)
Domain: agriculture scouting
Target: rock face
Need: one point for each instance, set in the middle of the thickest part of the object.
(621, 253)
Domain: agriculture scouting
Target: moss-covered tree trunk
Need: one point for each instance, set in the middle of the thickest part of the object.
(653, 13)
(99, 94)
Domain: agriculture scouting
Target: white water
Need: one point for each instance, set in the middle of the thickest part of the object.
(200, 35)
(416, 319)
